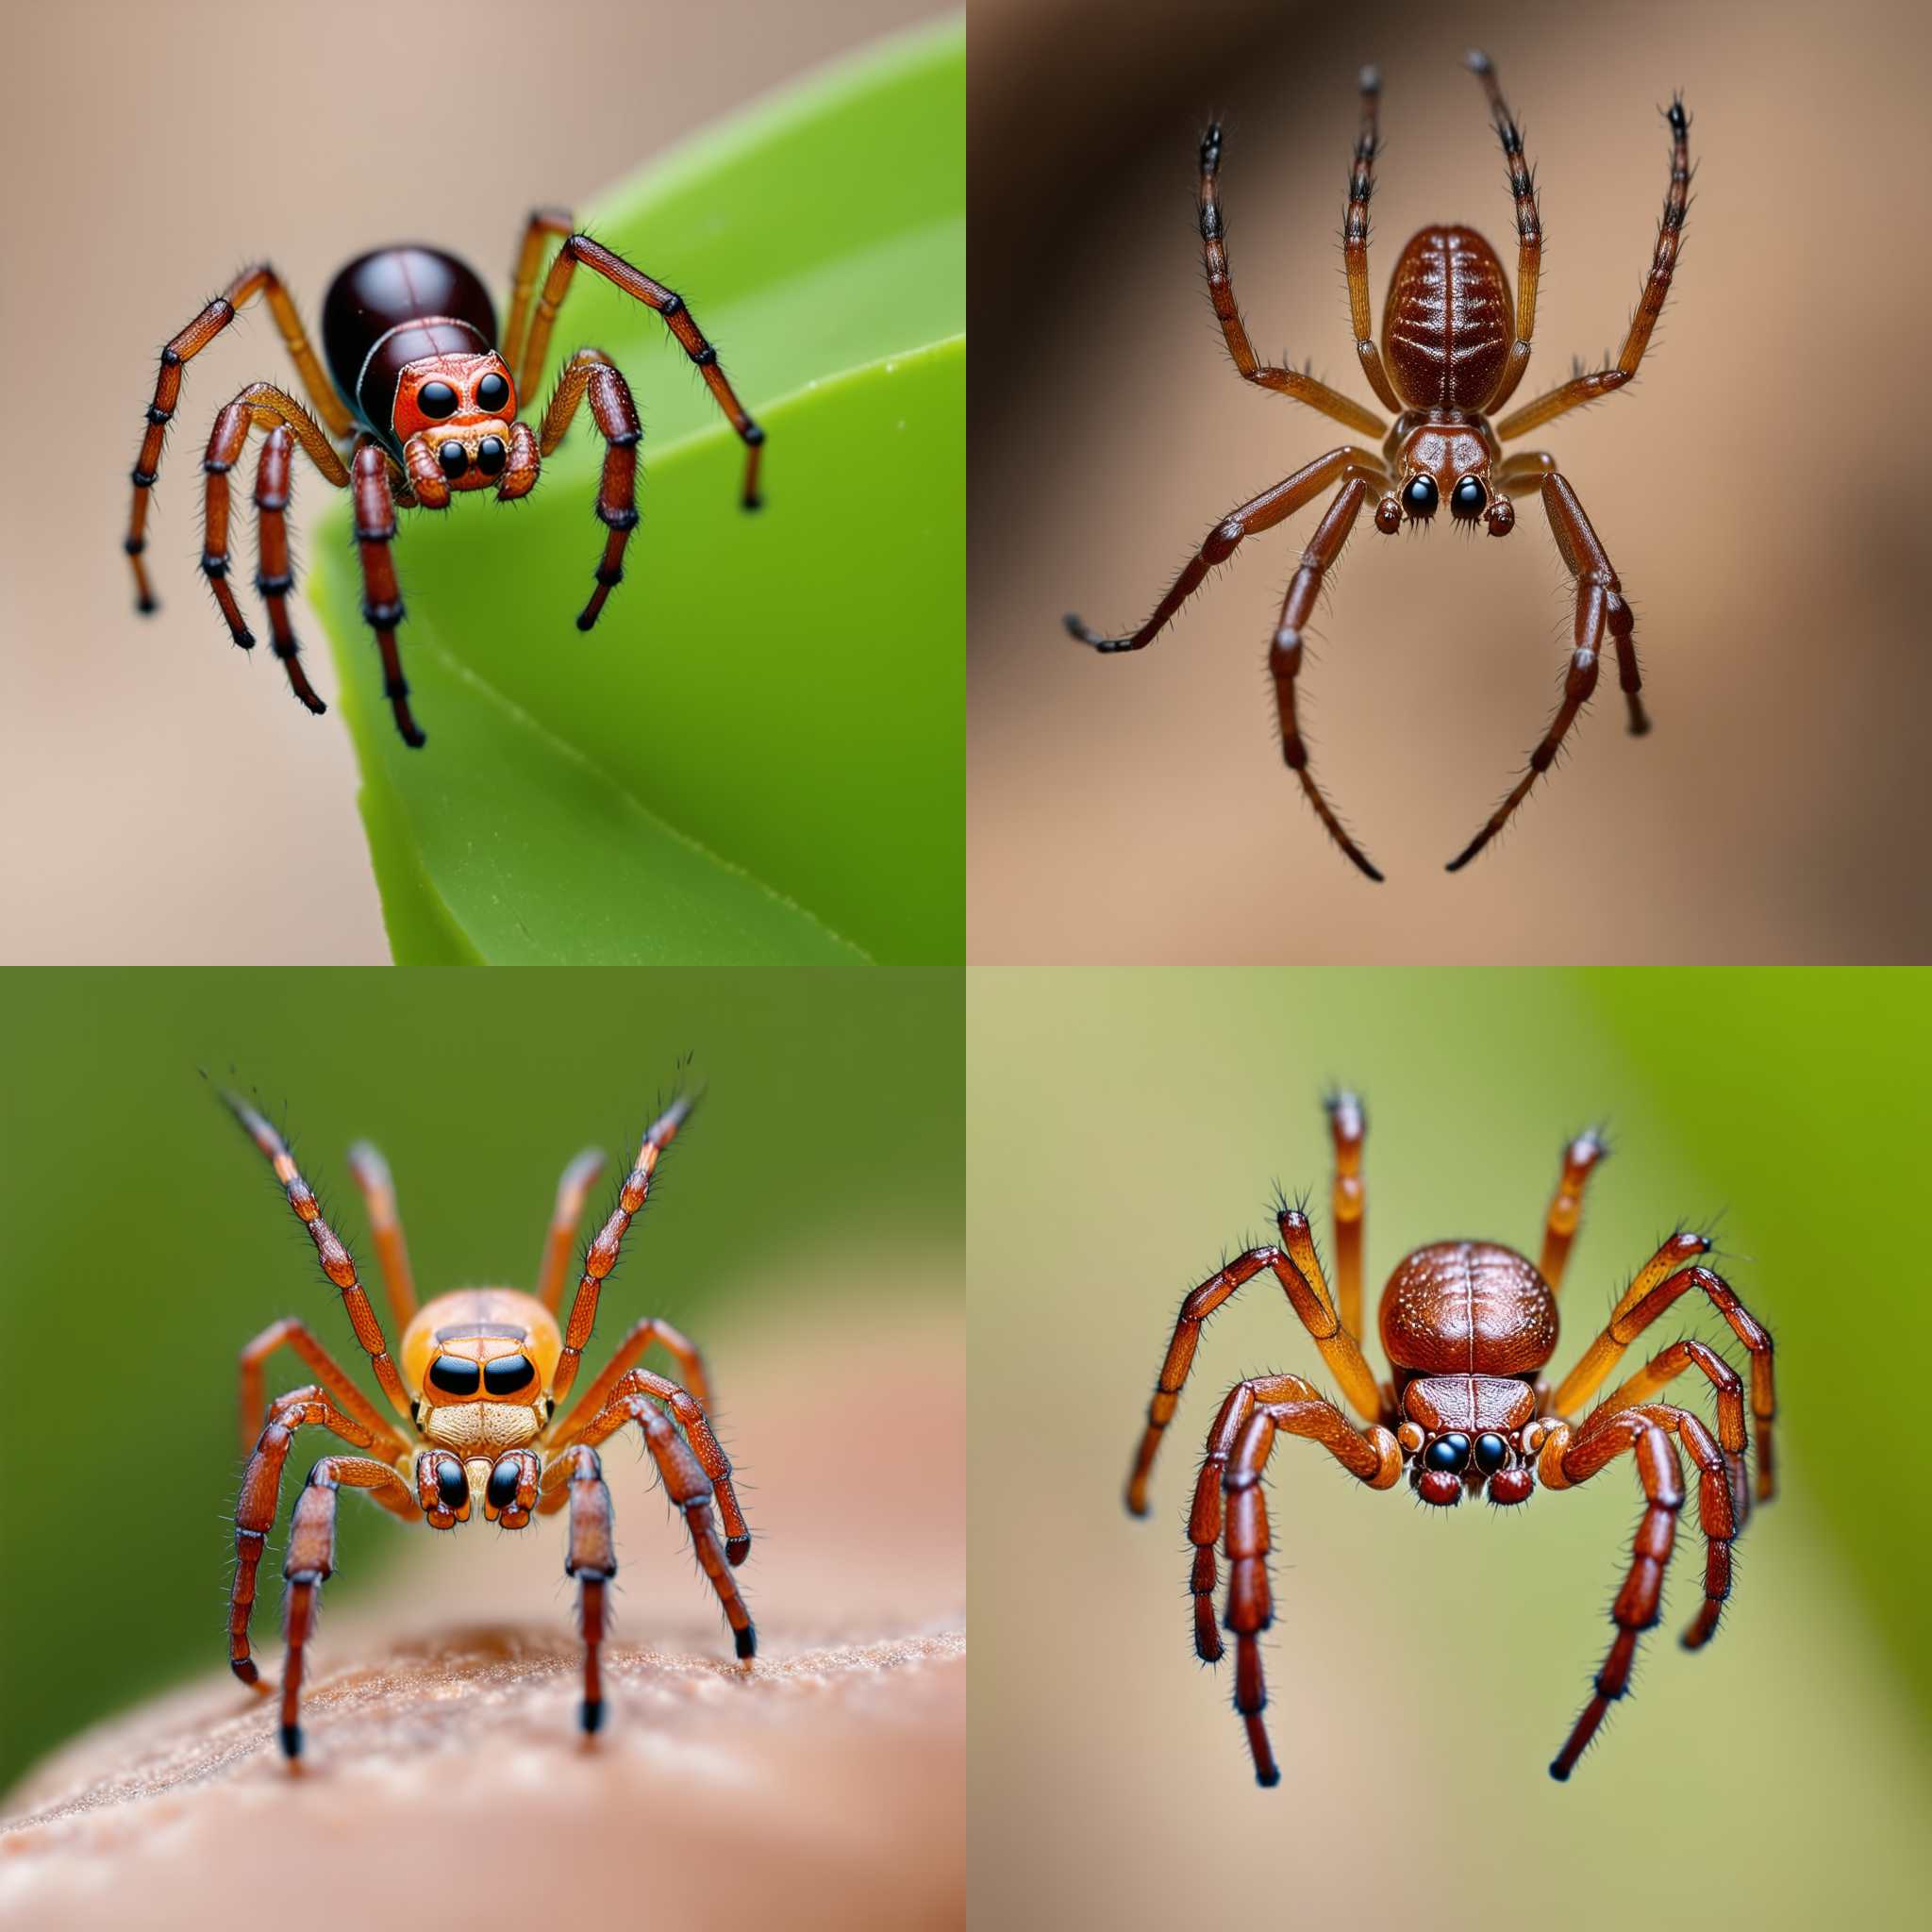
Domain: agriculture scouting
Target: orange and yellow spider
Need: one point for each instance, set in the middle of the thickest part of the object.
(485, 1372)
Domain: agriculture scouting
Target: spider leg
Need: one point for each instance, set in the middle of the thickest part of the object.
(183, 348)
(1600, 612)
(1298, 1269)
(1651, 1291)
(1355, 243)
(1271, 508)
(311, 1559)
(602, 1254)
(1566, 1205)
(1337, 1434)
(591, 371)
(382, 598)
(677, 318)
(543, 221)
(631, 1350)
(378, 1192)
(1348, 1203)
(1369, 1455)
(1529, 231)
(275, 574)
(576, 1476)
(1288, 382)
(1728, 1392)
(1285, 655)
(1567, 1460)
(343, 1392)
(690, 1490)
(1669, 234)
(261, 1493)
(574, 1185)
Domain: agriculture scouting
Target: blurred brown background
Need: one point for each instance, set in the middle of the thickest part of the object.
(162, 800)
(1138, 809)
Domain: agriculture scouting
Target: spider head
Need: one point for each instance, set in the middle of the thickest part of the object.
(1444, 465)
(462, 406)
(1446, 1461)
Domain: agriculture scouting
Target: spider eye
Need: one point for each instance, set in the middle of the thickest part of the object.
(436, 400)
(454, 459)
(1448, 1452)
(492, 392)
(508, 1374)
(490, 455)
(1467, 499)
(1420, 498)
(454, 1376)
(1491, 1453)
(452, 1485)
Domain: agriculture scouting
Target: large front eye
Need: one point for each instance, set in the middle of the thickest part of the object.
(454, 1376)
(436, 400)
(1448, 1453)
(1466, 501)
(508, 1374)
(492, 392)
(1491, 1453)
(1420, 498)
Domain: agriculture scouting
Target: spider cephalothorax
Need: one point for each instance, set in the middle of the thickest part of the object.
(1454, 346)
(1468, 1327)
(417, 401)
(483, 1374)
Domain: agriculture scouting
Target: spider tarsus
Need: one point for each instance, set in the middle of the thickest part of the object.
(753, 501)
(586, 618)
(747, 1641)
(1477, 61)
(737, 1550)
(291, 1740)
(591, 1715)
(243, 1667)
(147, 605)
(1561, 1772)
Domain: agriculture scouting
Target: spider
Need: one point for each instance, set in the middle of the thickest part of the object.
(480, 1391)
(419, 401)
(1454, 348)
(1467, 1327)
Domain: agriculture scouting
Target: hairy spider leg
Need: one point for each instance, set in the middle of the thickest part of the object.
(309, 1561)
(378, 1192)
(1565, 1215)
(274, 573)
(1348, 1203)
(1727, 1392)
(616, 417)
(1295, 1266)
(1355, 243)
(1643, 1301)
(601, 1258)
(1285, 655)
(677, 318)
(1600, 612)
(382, 597)
(337, 1262)
(577, 1477)
(183, 348)
(1371, 1456)
(573, 1189)
(296, 1333)
(1262, 513)
(1288, 382)
(543, 222)
(631, 1350)
(1650, 305)
(1529, 231)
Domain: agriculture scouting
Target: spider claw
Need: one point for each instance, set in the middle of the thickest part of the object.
(291, 1740)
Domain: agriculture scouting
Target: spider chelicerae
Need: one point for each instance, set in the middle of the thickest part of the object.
(419, 401)
(1454, 347)
(480, 1393)
(1468, 1327)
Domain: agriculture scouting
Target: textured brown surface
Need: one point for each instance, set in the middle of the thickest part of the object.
(1468, 1305)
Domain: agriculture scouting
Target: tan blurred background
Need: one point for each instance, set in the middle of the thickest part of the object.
(1751, 488)
(163, 801)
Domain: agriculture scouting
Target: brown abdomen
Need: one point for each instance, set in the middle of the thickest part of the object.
(1471, 1308)
(1448, 322)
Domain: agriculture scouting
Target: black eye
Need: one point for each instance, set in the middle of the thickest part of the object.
(1467, 499)
(492, 392)
(1448, 1452)
(508, 1374)
(451, 1483)
(436, 400)
(454, 1375)
(1421, 497)
(1491, 1453)
(454, 459)
(490, 455)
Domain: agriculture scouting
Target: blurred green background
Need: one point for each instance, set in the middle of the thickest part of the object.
(1125, 1128)
(145, 1241)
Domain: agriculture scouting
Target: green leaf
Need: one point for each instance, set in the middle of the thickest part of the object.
(758, 754)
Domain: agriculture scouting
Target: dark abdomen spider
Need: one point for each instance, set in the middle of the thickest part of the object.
(418, 401)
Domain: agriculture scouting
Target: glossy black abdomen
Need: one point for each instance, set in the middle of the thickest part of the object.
(380, 302)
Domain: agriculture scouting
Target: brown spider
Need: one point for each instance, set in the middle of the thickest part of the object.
(483, 1373)
(1454, 348)
(1467, 1327)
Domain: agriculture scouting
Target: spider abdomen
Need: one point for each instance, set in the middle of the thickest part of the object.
(1468, 1308)
(1448, 322)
